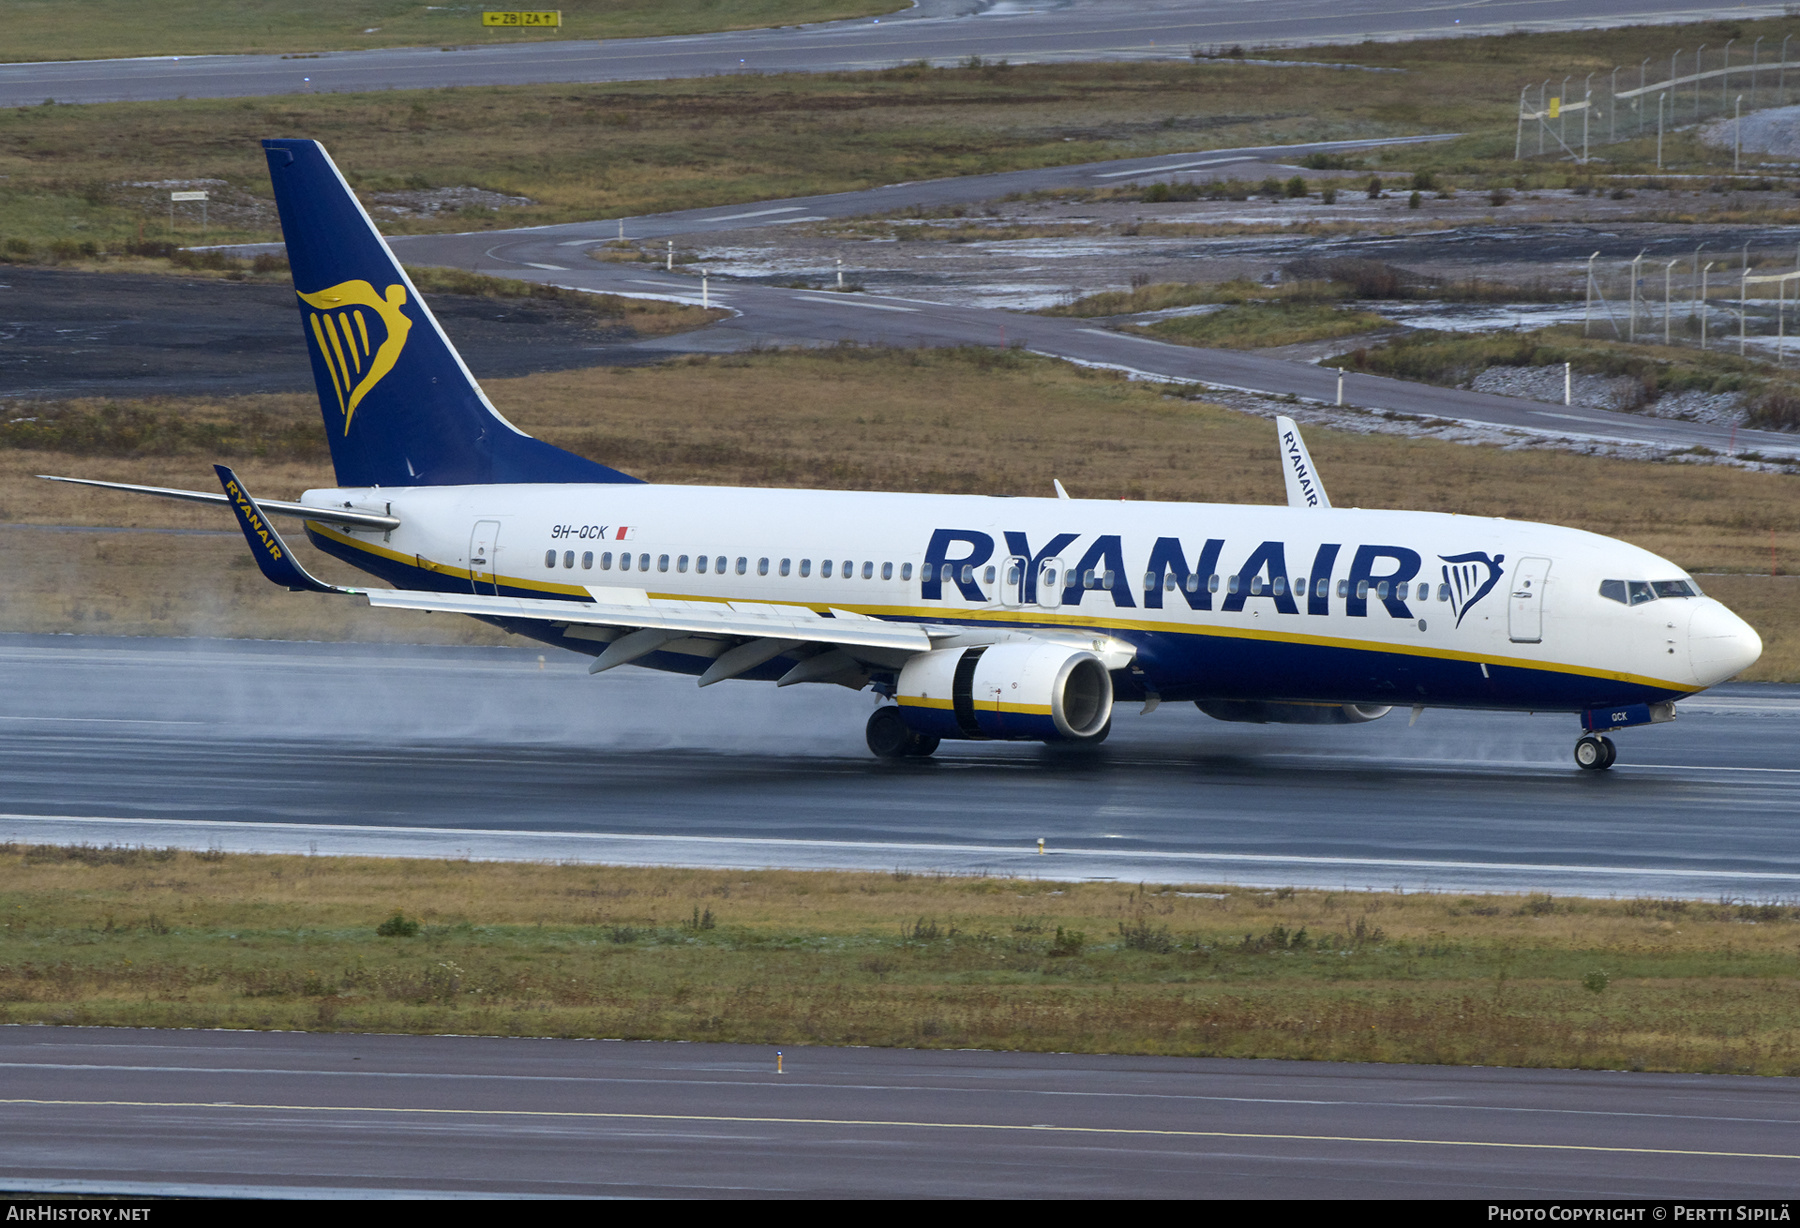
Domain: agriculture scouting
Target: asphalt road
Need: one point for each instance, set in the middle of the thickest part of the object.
(91, 1110)
(65, 333)
(248, 745)
(767, 315)
(940, 31)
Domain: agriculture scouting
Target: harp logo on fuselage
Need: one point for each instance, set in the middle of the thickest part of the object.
(359, 334)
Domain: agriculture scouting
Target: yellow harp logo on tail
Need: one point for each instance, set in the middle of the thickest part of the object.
(341, 330)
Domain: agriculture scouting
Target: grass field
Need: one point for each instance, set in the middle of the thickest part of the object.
(96, 29)
(970, 421)
(77, 175)
(1255, 326)
(144, 937)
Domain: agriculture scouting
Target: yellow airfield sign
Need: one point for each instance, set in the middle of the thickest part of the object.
(539, 19)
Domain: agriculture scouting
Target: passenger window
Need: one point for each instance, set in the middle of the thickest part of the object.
(987, 577)
(762, 567)
(887, 571)
(1193, 582)
(719, 565)
(587, 561)
(825, 569)
(1087, 578)
(868, 570)
(568, 558)
(743, 565)
(1323, 589)
(1640, 592)
(1212, 583)
(1169, 583)
(681, 564)
(1362, 590)
(643, 562)
(700, 564)
(850, 569)
(1255, 586)
(1231, 585)
(805, 568)
(1344, 588)
(1400, 591)
(786, 566)
(968, 574)
(906, 571)
(662, 562)
(1381, 590)
(606, 561)
(948, 574)
(1149, 581)
(1443, 592)
(624, 562)
(549, 558)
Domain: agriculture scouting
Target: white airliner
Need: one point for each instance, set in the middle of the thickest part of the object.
(980, 618)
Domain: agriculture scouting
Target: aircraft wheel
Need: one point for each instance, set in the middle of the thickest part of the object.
(1612, 752)
(888, 735)
(923, 746)
(1591, 754)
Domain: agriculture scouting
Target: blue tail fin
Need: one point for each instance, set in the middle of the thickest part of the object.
(400, 407)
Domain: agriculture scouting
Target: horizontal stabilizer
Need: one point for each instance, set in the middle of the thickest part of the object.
(271, 553)
(343, 516)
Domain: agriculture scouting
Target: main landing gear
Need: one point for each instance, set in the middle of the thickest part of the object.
(1595, 754)
(890, 737)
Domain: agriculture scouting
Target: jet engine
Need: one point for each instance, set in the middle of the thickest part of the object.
(1019, 692)
(1257, 712)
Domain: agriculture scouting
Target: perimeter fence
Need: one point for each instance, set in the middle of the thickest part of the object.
(1728, 88)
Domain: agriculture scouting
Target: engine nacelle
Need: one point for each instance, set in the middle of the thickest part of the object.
(1022, 692)
(1257, 712)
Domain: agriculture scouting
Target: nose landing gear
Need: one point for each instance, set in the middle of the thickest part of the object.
(1595, 754)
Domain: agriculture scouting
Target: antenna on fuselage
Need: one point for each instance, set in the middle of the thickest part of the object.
(1304, 489)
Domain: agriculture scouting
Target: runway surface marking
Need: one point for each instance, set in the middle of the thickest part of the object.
(721, 1119)
(756, 1080)
(776, 842)
(1185, 166)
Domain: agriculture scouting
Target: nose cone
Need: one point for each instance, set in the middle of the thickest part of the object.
(1720, 644)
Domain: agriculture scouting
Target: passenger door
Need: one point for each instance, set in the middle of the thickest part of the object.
(1050, 580)
(1525, 602)
(484, 546)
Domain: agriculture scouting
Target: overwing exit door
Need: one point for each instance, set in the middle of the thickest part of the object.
(1525, 601)
(484, 545)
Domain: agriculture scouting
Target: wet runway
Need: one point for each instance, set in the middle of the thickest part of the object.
(248, 745)
(123, 1111)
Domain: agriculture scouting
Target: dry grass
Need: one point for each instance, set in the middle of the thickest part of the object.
(94, 29)
(159, 938)
(959, 421)
(1256, 326)
(587, 151)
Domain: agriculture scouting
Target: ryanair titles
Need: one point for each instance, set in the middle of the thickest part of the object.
(970, 563)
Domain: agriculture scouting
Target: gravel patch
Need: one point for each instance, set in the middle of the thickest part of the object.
(1618, 393)
(1774, 131)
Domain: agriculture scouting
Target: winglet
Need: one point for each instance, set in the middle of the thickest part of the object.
(1304, 489)
(1060, 492)
(271, 553)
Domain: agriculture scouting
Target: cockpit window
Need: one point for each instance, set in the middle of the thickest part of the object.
(1637, 592)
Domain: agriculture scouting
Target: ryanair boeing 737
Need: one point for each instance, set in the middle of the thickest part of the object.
(979, 618)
